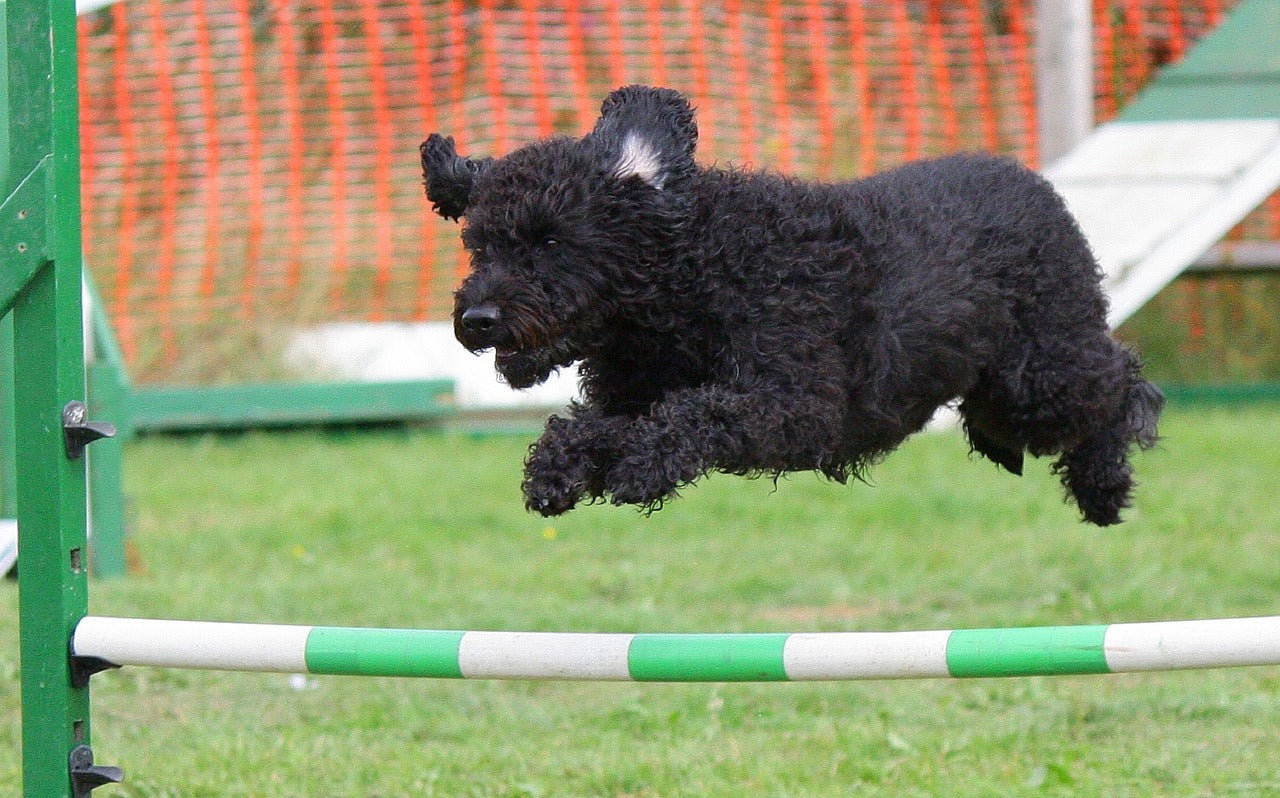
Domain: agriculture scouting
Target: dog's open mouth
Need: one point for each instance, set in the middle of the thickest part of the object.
(505, 356)
(526, 367)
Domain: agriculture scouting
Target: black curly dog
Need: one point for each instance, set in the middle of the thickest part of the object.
(757, 324)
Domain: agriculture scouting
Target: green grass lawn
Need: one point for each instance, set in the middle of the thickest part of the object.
(427, 530)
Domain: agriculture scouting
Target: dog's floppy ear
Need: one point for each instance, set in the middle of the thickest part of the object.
(648, 133)
(448, 176)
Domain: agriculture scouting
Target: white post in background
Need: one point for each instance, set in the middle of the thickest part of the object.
(1064, 75)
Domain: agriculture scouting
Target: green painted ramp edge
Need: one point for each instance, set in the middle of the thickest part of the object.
(1221, 394)
(169, 409)
(1233, 73)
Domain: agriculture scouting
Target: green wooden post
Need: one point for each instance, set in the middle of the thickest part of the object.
(8, 453)
(40, 279)
(8, 488)
(52, 589)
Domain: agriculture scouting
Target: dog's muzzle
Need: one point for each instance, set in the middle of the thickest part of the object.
(524, 355)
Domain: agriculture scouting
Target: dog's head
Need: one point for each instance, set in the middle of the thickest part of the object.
(561, 231)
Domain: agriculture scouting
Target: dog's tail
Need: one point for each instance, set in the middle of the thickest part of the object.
(1097, 472)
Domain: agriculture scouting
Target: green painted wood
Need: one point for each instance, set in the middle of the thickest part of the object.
(281, 405)
(1243, 393)
(22, 234)
(8, 452)
(1233, 73)
(52, 589)
(8, 490)
(4, 100)
(1243, 45)
(707, 657)
(384, 652)
(1031, 651)
(43, 128)
(1240, 100)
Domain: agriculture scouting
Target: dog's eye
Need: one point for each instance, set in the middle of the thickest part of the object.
(550, 241)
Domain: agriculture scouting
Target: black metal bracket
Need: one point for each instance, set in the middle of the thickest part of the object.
(78, 432)
(84, 667)
(86, 776)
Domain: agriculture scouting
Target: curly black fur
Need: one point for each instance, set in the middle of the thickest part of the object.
(447, 176)
(753, 323)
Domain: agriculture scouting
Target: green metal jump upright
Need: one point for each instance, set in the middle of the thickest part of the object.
(40, 283)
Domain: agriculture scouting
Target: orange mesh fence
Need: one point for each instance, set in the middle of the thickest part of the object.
(252, 166)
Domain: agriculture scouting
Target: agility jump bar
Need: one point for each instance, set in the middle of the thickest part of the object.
(819, 656)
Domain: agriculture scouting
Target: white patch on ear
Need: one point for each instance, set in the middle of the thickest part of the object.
(639, 158)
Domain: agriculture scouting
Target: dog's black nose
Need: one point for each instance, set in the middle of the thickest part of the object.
(480, 319)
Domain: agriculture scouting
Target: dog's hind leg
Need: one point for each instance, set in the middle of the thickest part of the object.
(1096, 472)
(1084, 401)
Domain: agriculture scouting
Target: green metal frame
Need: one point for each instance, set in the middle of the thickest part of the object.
(40, 283)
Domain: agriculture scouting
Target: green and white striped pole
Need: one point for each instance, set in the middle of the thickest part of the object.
(821, 656)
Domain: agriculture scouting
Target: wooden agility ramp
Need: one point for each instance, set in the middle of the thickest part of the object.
(1191, 156)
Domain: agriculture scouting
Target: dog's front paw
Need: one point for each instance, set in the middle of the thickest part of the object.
(557, 474)
(551, 493)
